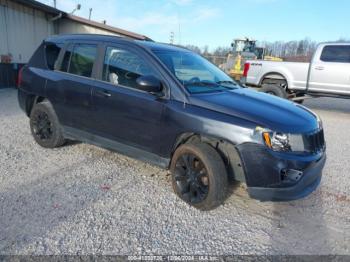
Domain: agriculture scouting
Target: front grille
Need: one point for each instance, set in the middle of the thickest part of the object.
(315, 141)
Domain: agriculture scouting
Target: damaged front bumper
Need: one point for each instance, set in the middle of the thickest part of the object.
(272, 176)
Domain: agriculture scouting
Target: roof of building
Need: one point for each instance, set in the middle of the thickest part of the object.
(106, 27)
(48, 9)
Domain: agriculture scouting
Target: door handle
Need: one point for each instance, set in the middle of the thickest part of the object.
(103, 93)
(319, 68)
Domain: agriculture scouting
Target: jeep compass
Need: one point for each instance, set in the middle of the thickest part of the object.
(171, 107)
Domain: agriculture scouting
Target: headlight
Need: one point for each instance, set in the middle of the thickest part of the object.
(284, 142)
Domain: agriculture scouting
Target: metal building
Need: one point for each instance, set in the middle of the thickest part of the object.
(25, 23)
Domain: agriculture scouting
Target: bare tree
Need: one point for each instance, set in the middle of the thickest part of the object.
(194, 48)
(295, 50)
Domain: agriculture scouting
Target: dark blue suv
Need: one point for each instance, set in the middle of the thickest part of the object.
(169, 106)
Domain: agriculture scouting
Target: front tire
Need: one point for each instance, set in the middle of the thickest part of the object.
(199, 176)
(45, 127)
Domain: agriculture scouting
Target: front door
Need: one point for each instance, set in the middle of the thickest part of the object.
(331, 72)
(123, 112)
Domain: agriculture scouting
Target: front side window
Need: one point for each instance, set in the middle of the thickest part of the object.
(122, 67)
(79, 60)
(336, 54)
(196, 74)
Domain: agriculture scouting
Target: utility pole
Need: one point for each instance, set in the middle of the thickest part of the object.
(90, 11)
(171, 40)
(54, 3)
(179, 37)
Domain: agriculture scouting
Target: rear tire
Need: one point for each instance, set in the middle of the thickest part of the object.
(45, 127)
(199, 176)
(275, 91)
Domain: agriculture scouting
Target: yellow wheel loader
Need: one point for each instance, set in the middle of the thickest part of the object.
(244, 49)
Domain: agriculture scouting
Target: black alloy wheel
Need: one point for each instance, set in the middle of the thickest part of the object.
(45, 126)
(42, 126)
(192, 179)
(199, 176)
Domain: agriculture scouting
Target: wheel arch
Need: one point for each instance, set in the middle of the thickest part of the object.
(31, 101)
(226, 149)
(274, 75)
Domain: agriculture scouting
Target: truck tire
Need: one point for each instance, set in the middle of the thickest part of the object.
(45, 127)
(274, 90)
(199, 176)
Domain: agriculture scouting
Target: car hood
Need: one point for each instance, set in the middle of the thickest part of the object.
(263, 109)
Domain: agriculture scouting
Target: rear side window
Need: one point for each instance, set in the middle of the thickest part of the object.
(52, 50)
(79, 60)
(336, 54)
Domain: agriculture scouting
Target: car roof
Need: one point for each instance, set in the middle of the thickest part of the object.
(334, 43)
(154, 46)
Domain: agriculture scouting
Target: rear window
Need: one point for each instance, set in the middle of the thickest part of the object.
(336, 54)
(52, 50)
(79, 60)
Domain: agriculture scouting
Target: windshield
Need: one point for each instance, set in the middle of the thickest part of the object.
(195, 73)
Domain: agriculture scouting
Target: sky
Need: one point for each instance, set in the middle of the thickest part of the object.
(216, 23)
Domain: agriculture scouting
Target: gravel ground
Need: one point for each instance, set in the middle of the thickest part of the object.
(81, 199)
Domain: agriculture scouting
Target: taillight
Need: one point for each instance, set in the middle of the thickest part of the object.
(246, 69)
(19, 77)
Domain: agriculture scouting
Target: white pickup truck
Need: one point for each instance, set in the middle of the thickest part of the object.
(328, 74)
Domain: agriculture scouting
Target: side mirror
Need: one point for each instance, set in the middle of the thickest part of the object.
(149, 84)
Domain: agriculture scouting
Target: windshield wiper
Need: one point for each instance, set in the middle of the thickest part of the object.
(217, 84)
(202, 83)
(226, 82)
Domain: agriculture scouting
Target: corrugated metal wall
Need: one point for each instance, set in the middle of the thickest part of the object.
(21, 30)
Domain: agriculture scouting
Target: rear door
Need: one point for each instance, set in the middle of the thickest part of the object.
(330, 70)
(72, 91)
(122, 112)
